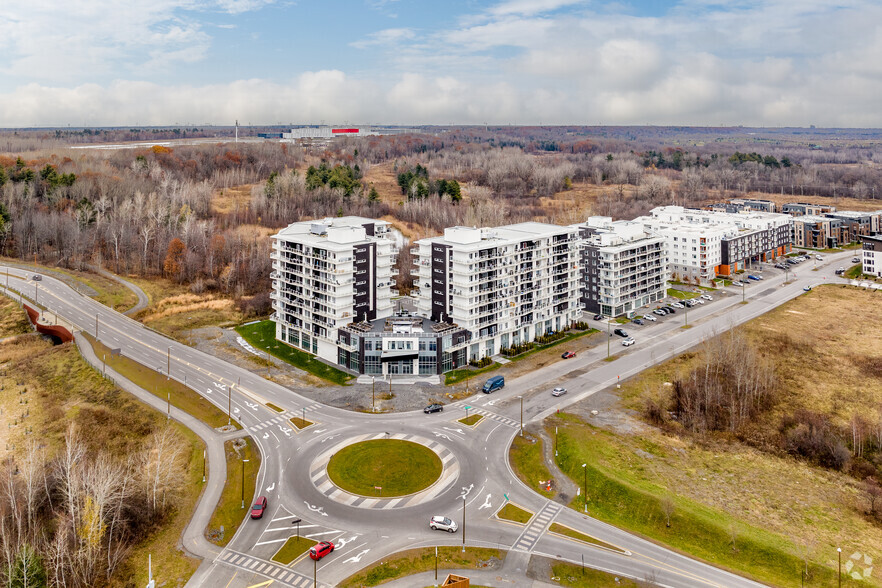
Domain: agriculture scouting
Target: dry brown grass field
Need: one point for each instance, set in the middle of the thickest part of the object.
(827, 346)
(225, 201)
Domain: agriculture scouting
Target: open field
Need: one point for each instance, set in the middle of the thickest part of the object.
(226, 201)
(241, 480)
(173, 310)
(827, 359)
(415, 561)
(53, 386)
(733, 505)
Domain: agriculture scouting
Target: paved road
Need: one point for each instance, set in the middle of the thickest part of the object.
(366, 531)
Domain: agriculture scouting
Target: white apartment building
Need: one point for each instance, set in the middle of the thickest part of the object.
(703, 244)
(329, 273)
(624, 266)
(505, 285)
(871, 255)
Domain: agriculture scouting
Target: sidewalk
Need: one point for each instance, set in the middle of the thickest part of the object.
(193, 540)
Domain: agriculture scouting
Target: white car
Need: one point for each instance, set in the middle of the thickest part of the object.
(558, 392)
(737, 283)
(819, 258)
(628, 342)
(677, 305)
(699, 300)
(440, 523)
(649, 317)
(707, 297)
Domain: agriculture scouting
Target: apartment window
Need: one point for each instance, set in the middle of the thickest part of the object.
(368, 345)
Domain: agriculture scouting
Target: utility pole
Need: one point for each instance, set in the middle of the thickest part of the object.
(463, 522)
(243, 481)
(522, 415)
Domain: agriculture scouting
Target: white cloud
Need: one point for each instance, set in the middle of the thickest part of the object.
(385, 37)
(530, 7)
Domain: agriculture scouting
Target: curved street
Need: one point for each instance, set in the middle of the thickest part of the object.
(476, 480)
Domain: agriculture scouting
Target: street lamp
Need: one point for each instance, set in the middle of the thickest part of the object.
(243, 481)
(608, 335)
(839, 551)
(463, 521)
(585, 491)
(522, 415)
(373, 395)
(203, 466)
(296, 521)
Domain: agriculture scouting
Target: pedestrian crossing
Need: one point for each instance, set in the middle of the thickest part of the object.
(275, 572)
(283, 419)
(497, 417)
(537, 526)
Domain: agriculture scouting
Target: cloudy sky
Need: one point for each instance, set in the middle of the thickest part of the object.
(680, 62)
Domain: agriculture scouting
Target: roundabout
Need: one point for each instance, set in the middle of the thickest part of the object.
(384, 468)
(382, 471)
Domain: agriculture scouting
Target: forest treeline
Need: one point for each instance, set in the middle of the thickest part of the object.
(149, 211)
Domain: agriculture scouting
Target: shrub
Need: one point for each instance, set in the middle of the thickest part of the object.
(479, 363)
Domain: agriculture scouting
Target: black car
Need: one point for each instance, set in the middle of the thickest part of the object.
(433, 408)
(598, 317)
(637, 321)
(620, 332)
(671, 309)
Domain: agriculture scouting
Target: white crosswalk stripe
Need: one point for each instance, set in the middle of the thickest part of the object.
(537, 526)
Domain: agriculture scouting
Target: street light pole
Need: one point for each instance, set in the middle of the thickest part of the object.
(608, 335)
(522, 415)
(585, 491)
(555, 442)
(463, 522)
(203, 466)
(839, 551)
(373, 394)
(243, 482)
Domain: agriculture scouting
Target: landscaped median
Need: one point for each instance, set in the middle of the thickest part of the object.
(293, 548)
(262, 335)
(180, 396)
(514, 513)
(415, 561)
(384, 468)
(241, 480)
(565, 531)
(472, 420)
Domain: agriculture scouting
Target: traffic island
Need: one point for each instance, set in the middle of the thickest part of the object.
(569, 533)
(300, 423)
(514, 513)
(293, 548)
(384, 468)
(472, 420)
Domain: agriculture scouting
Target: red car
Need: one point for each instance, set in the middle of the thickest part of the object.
(258, 507)
(321, 549)
(568, 354)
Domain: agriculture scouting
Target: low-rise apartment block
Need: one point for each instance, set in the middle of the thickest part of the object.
(505, 285)
(624, 266)
(806, 209)
(327, 274)
(871, 255)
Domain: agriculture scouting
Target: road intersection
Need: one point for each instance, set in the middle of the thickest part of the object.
(477, 480)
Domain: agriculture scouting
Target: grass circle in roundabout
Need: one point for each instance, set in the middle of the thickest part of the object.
(397, 467)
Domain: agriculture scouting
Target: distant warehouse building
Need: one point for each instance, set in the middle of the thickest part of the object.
(329, 132)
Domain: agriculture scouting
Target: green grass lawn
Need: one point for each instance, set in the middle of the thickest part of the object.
(528, 463)
(300, 423)
(414, 561)
(293, 548)
(680, 294)
(455, 376)
(574, 576)
(181, 396)
(471, 420)
(229, 512)
(398, 467)
(570, 336)
(511, 512)
(574, 534)
(262, 335)
(855, 272)
(274, 407)
(620, 496)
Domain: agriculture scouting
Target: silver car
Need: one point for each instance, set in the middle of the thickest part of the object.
(558, 392)
(439, 523)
